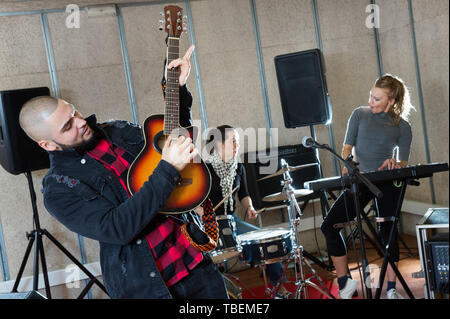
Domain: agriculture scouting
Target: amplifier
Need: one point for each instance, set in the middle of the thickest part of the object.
(432, 242)
(437, 260)
(294, 155)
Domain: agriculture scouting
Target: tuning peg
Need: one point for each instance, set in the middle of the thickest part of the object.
(161, 13)
(161, 21)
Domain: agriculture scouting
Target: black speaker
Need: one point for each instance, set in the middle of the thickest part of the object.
(303, 89)
(294, 155)
(18, 153)
(22, 295)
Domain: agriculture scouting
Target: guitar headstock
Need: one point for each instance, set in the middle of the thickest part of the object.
(174, 22)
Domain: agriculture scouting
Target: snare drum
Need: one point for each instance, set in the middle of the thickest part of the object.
(267, 245)
(228, 244)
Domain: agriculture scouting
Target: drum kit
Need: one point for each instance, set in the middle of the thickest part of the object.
(270, 244)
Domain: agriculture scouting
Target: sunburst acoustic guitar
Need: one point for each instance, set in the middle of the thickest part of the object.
(195, 178)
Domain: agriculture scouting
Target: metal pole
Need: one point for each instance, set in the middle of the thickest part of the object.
(262, 74)
(50, 56)
(330, 124)
(420, 92)
(126, 66)
(198, 78)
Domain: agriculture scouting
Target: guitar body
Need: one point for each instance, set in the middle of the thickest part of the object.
(195, 177)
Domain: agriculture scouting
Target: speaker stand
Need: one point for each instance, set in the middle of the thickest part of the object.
(35, 237)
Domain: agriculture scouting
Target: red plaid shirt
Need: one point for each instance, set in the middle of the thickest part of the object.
(173, 253)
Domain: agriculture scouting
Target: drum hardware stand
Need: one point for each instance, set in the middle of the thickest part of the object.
(271, 293)
(299, 259)
(35, 237)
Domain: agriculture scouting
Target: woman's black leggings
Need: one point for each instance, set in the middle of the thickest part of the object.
(337, 214)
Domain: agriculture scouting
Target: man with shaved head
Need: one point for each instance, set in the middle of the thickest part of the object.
(34, 112)
(143, 254)
(48, 121)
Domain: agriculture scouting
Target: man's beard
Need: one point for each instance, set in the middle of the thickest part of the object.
(86, 145)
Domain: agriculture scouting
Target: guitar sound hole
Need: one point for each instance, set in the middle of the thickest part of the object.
(158, 141)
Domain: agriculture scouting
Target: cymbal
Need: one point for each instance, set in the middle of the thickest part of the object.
(288, 169)
(276, 197)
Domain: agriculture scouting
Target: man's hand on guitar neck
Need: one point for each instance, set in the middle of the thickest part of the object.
(184, 64)
(179, 152)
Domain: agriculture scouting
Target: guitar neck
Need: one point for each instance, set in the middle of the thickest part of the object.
(172, 99)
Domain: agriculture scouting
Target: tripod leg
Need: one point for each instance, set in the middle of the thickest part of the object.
(44, 268)
(75, 261)
(317, 261)
(324, 290)
(86, 289)
(24, 262)
(36, 261)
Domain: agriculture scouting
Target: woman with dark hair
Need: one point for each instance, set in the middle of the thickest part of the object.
(226, 174)
(373, 134)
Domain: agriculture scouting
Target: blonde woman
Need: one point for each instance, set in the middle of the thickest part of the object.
(373, 134)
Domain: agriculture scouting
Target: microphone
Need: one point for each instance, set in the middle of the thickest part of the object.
(308, 142)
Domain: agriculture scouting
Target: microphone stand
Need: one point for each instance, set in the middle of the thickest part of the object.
(353, 177)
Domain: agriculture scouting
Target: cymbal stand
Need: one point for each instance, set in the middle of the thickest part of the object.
(299, 259)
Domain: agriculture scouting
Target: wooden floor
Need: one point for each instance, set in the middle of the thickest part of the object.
(409, 263)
